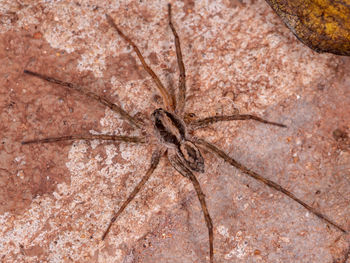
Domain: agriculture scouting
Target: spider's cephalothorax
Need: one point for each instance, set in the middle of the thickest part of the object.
(171, 132)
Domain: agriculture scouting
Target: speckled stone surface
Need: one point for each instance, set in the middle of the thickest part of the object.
(57, 199)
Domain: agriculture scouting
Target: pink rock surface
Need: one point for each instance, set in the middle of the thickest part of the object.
(57, 199)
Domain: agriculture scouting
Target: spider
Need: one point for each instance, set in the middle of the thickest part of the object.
(170, 132)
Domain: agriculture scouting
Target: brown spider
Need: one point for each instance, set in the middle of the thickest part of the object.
(172, 130)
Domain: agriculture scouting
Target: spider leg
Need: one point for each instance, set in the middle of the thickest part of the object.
(207, 218)
(154, 163)
(183, 170)
(212, 148)
(105, 137)
(181, 98)
(167, 99)
(89, 94)
(201, 123)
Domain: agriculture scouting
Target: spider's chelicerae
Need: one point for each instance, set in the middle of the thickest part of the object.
(172, 131)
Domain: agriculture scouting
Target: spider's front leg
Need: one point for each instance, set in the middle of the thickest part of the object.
(181, 98)
(167, 98)
(89, 94)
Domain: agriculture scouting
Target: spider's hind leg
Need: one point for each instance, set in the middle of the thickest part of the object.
(216, 151)
(178, 165)
(154, 163)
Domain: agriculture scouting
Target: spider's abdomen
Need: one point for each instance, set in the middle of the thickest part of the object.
(191, 156)
(171, 132)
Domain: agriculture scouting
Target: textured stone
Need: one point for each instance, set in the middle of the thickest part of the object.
(57, 199)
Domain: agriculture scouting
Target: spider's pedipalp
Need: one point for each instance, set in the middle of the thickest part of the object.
(212, 148)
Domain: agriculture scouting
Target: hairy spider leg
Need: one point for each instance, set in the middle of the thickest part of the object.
(183, 170)
(154, 163)
(167, 99)
(89, 137)
(173, 158)
(89, 94)
(206, 214)
(181, 98)
(201, 123)
(213, 149)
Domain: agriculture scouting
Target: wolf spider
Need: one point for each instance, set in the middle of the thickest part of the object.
(172, 132)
